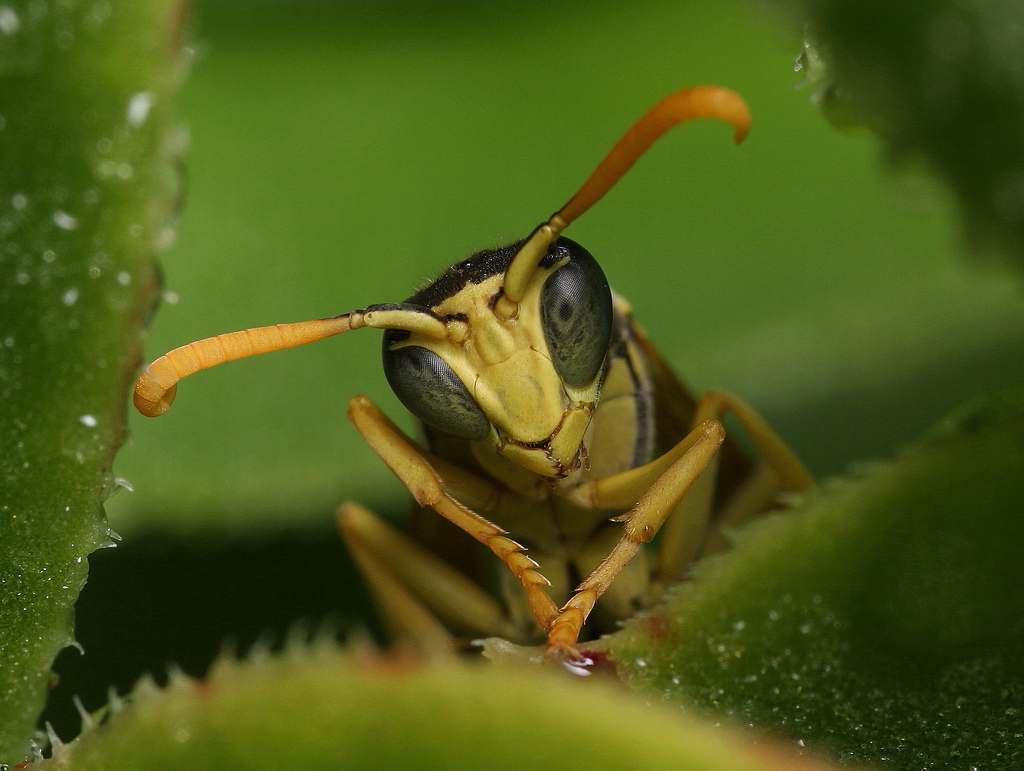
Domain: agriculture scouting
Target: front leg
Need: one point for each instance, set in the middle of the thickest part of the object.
(429, 487)
(656, 488)
(780, 470)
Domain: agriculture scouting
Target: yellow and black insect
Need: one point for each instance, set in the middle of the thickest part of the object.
(548, 415)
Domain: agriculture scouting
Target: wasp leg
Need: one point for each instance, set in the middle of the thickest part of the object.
(793, 476)
(404, 616)
(429, 488)
(414, 588)
(781, 470)
(651, 492)
(631, 590)
(685, 530)
(753, 498)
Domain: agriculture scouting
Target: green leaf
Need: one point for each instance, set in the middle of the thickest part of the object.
(332, 711)
(881, 621)
(940, 80)
(83, 208)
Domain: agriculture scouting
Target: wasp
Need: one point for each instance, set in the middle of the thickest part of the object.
(548, 415)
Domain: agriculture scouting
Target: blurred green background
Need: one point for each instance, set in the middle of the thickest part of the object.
(342, 154)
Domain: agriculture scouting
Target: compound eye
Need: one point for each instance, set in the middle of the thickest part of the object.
(431, 391)
(576, 310)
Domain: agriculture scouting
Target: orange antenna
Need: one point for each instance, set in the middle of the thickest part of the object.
(682, 106)
(155, 388)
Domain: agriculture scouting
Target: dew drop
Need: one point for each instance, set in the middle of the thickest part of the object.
(88, 420)
(166, 238)
(9, 21)
(19, 201)
(64, 221)
(70, 297)
(139, 106)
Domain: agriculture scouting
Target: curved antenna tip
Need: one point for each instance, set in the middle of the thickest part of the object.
(148, 407)
(678, 107)
(741, 133)
(709, 102)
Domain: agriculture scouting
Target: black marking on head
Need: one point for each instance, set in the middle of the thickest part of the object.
(473, 270)
(480, 267)
(406, 306)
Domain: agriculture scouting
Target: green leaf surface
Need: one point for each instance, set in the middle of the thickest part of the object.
(85, 145)
(881, 621)
(326, 710)
(941, 81)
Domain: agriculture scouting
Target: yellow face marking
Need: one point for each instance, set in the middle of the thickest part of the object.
(537, 421)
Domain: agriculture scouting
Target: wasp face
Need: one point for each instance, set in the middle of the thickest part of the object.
(524, 386)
